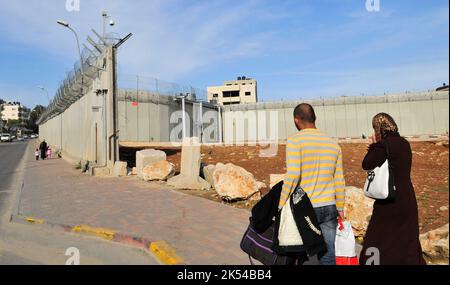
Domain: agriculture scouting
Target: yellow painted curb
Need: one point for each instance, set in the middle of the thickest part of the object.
(99, 232)
(165, 253)
(33, 221)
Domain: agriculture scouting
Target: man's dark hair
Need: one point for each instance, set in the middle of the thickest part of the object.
(305, 112)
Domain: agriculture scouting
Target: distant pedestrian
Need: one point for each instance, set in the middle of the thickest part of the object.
(394, 227)
(36, 153)
(43, 148)
(49, 153)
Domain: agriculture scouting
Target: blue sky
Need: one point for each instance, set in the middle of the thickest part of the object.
(294, 48)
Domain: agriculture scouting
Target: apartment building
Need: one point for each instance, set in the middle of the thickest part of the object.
(241, 91)
(13, 111)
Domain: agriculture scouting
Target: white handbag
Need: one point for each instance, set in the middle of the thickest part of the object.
(380, 182)
(288, 233)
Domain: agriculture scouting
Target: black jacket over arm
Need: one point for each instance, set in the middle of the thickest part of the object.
(266, 210)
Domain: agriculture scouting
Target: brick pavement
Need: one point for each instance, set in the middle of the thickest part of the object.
(201, 231)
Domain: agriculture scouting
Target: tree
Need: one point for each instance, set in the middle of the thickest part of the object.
(15, 124)
(35, 114)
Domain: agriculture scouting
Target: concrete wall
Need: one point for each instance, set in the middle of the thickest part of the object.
(83, 130)
(79, 131)
(424, 113)
(149, 117)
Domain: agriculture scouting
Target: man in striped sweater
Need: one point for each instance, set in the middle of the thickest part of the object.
(314, 163)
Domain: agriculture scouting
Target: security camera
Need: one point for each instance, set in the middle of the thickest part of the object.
(111, 22)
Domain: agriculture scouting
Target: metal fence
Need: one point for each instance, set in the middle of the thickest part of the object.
(160, 87)
(151, 110)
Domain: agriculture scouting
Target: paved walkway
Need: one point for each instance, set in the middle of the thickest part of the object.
(201, 231)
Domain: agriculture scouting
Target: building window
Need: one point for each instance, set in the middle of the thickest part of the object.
(215, 95)
(248, 93)
(230, 103)
(228, 94)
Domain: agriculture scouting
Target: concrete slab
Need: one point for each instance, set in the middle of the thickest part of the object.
(120, 169)
(190, 168)
(146, 157)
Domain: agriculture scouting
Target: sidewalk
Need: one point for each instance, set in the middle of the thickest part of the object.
(200, 231)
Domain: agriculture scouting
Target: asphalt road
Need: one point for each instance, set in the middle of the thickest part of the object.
(29, 245)
(10, 156)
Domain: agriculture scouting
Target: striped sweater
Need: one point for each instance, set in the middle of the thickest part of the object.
(314, 160)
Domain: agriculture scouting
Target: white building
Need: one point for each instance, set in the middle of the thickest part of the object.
(13, 111)
(241, 91)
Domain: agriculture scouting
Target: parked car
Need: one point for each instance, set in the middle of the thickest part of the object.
(20, 139)
(26, 137)
(5, 138)
(33, 136)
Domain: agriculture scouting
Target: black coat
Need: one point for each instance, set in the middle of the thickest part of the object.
(43, 148)
(394, 226)
(265, 213)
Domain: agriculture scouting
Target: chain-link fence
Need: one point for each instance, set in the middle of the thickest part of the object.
(160, 87)
(151, 110)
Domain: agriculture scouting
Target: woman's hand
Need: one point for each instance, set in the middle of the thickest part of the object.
(373, 139)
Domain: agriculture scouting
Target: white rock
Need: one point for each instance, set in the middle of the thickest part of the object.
(275, 179)
(358, 210)
(435, 245)
(235, 183)
(161, 170)
(208, 174)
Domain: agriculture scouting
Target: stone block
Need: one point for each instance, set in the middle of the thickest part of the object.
(120, 169)
(189, 178)
(146, 157)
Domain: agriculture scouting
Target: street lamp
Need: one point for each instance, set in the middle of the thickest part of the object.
(65, 24)
(46, 92)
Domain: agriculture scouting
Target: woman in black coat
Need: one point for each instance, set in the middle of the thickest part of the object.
(43, 148)
(394, 226)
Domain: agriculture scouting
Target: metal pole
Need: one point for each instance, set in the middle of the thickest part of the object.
(104, 15)
(46, 92)
(137, 108)
(61, 120)
(79, 50)
(220, 124)
(201, 122)
(184, 117)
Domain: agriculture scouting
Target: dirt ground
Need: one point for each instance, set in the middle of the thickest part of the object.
(429, 173)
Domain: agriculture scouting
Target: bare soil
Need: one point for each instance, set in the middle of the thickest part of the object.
(429, 173)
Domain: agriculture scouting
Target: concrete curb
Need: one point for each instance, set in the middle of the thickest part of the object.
(165, 254)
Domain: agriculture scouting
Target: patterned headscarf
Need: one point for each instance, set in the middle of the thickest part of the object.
(384, 123)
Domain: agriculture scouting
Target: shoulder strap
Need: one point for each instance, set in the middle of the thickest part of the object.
(388, 156)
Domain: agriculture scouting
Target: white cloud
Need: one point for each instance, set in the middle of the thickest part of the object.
(171, 38)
